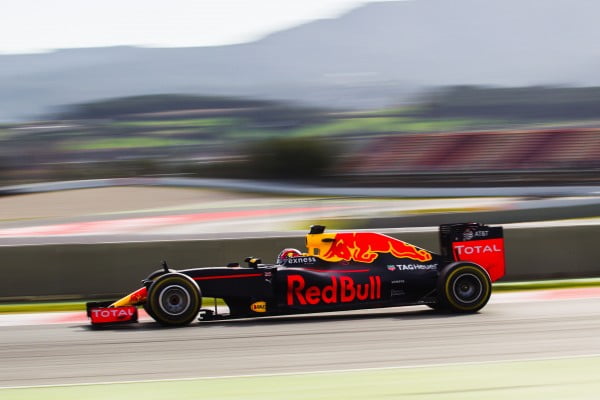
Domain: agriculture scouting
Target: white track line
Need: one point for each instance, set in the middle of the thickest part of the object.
(300, 373)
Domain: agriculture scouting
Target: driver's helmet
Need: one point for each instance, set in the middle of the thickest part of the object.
(287, 253)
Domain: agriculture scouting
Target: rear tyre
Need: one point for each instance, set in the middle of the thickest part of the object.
(174, 299)
(464, 287)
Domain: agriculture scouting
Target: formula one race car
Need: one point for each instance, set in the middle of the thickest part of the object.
(339, 271)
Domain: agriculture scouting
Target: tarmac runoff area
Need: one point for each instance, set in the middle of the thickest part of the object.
(535, 345)
(117, 214)
(168, 211)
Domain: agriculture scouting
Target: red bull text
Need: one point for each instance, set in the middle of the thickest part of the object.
(342, 289)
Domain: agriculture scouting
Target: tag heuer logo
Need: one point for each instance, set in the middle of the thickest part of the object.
(259, 306)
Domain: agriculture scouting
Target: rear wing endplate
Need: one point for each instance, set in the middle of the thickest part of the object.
(478, 243)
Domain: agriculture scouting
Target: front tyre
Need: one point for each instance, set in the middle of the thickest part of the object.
(464, 287)
(146, 306)
(174, 299)
(148, 281)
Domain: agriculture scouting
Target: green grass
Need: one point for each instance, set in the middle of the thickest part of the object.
(46, 306)
(548, 284)
(379, 125)
(573, 378)
(342, 126)
(128, 143)
(235, 129)
(41, 307)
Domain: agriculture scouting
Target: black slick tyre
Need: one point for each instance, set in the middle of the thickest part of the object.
(152, 277)
(174, 299)
(464, 287)
(148, 310)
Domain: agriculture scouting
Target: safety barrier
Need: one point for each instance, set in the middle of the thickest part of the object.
(108, 269)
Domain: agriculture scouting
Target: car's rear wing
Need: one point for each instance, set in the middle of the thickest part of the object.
(478, 243)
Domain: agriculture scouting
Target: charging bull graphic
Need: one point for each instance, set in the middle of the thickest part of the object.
(366, 246)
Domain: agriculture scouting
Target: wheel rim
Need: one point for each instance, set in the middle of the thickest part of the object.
(174, 300)
(467, 288)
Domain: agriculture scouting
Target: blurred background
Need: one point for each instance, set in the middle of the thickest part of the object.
(398, 93)
(198, 119)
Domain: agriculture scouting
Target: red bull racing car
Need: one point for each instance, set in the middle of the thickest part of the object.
(338, 271)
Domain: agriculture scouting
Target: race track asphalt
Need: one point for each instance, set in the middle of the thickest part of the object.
(412, 336)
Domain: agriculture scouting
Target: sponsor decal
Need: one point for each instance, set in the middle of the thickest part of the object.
(396, 288)
(391, 267)
(118, 313)
(300, 260)
(489, 253)
(465, 249)
(259, 306)
(470, 234)
(138, 296)
(417, 267)
(366, 246)
(268, 276)
(342, 289)
(112, 314)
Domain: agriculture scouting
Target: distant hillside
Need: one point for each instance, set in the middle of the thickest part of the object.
(376, 55)
(524, 103)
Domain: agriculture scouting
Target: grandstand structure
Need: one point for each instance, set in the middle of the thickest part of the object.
(510, 151)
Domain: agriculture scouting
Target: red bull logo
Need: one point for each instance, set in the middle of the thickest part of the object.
(365, 247)
(342, 289)
(138, 296)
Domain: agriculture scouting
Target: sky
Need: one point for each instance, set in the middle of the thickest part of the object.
(33, 26)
